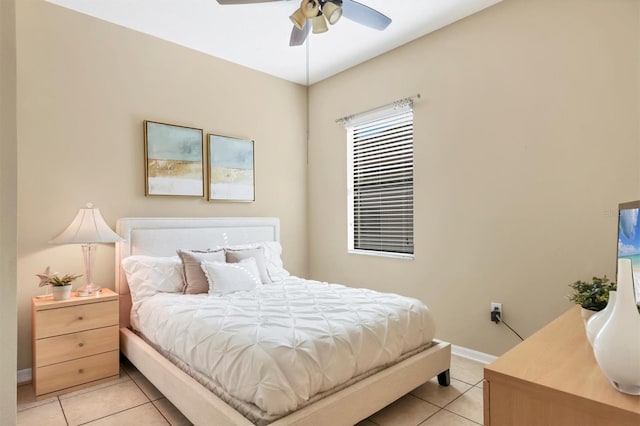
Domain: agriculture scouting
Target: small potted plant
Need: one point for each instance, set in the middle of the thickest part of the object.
(592, 296)
(60, 286)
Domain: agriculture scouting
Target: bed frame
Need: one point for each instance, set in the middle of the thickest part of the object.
(161, 237)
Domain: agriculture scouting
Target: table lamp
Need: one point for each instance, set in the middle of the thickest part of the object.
(88, 228)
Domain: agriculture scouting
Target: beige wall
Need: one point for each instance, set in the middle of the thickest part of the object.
(8, 186)
(85, 86)
(526, 139)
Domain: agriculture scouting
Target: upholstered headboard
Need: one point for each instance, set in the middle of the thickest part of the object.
(162, 236)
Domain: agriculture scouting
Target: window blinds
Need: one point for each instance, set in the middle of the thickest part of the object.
(381, 183)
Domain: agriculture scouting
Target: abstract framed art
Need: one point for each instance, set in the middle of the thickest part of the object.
(174, 160)
(231, 169)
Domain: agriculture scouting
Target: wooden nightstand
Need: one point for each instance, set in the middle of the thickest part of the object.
(75, 342)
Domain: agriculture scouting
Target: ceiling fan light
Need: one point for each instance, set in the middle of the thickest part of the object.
(310, 8)
(319, 24)
(332, 12)
(299, 19)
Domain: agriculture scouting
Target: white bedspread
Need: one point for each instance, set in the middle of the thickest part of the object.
(280, 344)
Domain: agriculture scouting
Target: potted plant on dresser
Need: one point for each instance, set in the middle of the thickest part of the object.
(592, 296)
(60, 286)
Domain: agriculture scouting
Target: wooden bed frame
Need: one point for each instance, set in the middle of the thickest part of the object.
(161, 237)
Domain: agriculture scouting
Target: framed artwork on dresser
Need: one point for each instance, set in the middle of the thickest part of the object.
(173, 160)
(230, 168)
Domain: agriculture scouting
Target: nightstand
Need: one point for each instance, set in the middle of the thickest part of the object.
(75, 342)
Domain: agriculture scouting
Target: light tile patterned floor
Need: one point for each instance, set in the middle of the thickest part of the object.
(133, 400)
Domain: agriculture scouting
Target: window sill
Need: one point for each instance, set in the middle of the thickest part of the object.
(383, 254)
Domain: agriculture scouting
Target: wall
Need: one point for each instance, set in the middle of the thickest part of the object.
(85, 88)
(8, 186)
(526, 139)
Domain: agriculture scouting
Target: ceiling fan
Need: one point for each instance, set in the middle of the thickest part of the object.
(315, 14)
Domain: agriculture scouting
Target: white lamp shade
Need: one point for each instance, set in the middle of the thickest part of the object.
(87, 227)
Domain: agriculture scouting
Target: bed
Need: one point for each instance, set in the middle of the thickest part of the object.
(348, 405)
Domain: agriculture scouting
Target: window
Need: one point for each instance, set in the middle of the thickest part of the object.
(380, 182)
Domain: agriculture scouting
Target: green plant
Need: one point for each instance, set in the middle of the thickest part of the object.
(594, 295)
(57, 281)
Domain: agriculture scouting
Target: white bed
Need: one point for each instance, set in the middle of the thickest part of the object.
(161, 237)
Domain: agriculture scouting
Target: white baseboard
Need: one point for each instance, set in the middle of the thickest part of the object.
(24, 376)
(473, 355)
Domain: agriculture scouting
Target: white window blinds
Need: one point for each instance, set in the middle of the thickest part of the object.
(380, 154)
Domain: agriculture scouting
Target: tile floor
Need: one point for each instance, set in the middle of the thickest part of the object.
(133, 400)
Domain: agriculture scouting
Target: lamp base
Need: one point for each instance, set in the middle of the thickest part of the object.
(88, 290)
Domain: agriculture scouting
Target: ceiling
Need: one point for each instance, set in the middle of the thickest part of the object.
(257, 35)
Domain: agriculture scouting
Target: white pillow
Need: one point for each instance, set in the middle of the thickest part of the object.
(227, 278)
(272, 252)
(149, 275)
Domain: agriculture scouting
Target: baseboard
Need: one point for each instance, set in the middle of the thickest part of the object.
(24, 376)
(473, 355)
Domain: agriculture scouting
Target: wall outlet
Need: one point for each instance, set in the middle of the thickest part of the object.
(496, 312)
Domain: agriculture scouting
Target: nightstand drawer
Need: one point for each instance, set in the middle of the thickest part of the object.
(66, 347)
(57, 377)
(53, 322)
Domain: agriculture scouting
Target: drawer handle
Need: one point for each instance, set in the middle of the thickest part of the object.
(80, 318)
(80, 371)
(80, 344)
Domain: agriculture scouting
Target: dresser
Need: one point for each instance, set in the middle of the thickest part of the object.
(75, 342)
(552, 378)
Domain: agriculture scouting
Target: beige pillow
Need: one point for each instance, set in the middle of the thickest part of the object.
(272, 254)
(235, 256)
(195, 282)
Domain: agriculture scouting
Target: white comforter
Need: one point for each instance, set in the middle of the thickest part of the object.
(280, 344)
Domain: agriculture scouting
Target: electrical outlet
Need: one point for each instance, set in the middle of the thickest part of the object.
(496, 312)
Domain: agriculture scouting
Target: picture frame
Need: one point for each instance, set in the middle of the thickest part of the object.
(230, 169)
(173, 160)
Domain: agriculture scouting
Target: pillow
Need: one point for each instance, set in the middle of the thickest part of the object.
(195, 281)
(235, 256)
(149, 275)
(275, 267)
(272, 252)
(225, 278)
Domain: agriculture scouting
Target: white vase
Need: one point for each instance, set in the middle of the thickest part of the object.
(587, 314)
(617, 346)
(61, 292)
(595, 323)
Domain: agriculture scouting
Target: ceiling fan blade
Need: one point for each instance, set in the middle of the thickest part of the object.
(299, 36)
(244, 1)
(364, 15)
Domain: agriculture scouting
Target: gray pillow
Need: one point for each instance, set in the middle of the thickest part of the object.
(235, 256)
(195, 281)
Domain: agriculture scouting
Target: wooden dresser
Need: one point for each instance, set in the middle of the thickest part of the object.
(552, 379)
(75, 342)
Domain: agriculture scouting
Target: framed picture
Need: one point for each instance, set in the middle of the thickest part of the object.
(231, 169)
(174, 160)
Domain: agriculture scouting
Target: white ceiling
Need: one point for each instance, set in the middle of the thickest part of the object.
(257, 35)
